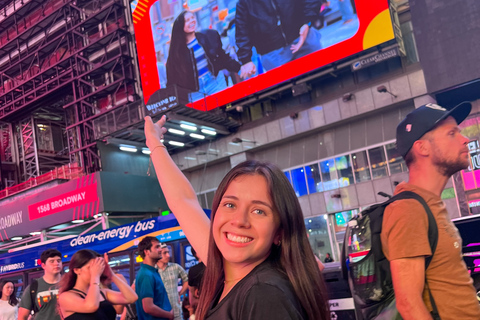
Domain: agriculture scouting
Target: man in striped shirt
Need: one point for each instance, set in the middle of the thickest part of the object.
(170, 273)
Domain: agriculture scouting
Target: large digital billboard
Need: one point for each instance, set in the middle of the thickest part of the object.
(220, 51)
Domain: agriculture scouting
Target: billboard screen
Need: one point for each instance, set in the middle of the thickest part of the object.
(220, 51)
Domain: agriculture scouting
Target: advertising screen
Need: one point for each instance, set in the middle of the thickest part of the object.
(215, 52)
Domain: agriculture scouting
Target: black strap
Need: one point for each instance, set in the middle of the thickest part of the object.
(84, 295)
(33, 294)
(432, 237)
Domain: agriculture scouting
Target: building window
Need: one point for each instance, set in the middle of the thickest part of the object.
(298, 181)
(378, 162)
(287, 174)
(395, 160)
(329, 174)
(314, 181)
(344, 169)
(409, 42)
(360, 166)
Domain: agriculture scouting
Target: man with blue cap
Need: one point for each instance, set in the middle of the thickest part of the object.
(434, 149)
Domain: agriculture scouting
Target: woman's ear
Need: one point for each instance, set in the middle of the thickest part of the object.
(77, 271)
(277, 240)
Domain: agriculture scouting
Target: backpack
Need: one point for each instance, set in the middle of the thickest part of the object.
(33, 295)
(131, 312)
(368, 272)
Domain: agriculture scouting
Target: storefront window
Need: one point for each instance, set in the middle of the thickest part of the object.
(344, 169)
(360, 166)
(298, 182)
(378, 162)
(340, 225)
(319, 237)
(329, 174)
(395, 160)
(314, 181)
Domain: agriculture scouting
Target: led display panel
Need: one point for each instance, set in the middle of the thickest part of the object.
(220, 51)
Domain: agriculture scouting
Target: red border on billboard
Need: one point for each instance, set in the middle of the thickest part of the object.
(375, 27)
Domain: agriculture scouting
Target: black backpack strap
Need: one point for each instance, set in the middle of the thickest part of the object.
(33, 294)
(432, 236)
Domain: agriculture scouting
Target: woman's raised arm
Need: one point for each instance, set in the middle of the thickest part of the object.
(178, 191)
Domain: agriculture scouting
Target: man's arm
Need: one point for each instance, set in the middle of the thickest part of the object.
(154, 310)
(23, 313)
(25, 306)
(184, 276)
(184, 288)
(311, 10)
(408, 276)
(242, 37)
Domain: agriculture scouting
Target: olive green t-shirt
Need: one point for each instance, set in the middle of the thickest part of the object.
(46, 301)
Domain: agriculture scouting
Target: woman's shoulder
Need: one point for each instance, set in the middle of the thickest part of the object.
(271, 295)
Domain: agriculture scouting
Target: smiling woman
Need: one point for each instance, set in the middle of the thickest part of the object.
(8, 301)
(259, 261)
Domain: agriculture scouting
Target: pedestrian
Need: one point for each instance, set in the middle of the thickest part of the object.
(195, 276)
(260, 264)
(8, 301)
(433, 148)
(152, 303)
(328, 258)
(40, 297)
(170, 273)
(80, 293)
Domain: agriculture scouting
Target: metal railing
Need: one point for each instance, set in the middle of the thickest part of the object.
(66, 172)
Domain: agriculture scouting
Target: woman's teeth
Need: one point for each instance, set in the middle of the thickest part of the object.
(238, 239)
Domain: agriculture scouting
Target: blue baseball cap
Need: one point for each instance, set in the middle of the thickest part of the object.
(423, 119)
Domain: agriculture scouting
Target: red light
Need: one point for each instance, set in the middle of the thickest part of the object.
(215, 8)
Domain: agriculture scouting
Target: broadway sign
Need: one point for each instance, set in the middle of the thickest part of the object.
(73, 200)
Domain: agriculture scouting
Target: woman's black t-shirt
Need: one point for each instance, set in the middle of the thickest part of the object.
(265, 293)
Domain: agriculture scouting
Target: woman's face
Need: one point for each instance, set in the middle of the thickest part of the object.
(83, 273)
(245, 225)
(190, 23)
(7, 290)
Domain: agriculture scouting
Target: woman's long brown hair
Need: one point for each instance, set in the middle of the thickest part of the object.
(295, 257)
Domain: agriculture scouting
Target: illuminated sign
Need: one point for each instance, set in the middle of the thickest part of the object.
(378, 57)
(471, 177)
(69, 200)
(221, 53)
(75, 199)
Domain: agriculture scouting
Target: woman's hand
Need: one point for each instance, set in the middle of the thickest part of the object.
(154, 131)
(97, 266)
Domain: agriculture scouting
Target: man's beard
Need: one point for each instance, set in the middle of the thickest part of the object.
(448, 167)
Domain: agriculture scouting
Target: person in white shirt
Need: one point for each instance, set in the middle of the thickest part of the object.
(8, 301)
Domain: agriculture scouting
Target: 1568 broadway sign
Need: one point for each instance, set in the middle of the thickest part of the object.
(63, 202)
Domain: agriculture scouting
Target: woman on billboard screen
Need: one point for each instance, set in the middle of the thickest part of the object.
(195, 59)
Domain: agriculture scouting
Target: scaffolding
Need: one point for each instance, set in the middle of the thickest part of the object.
(63, 63)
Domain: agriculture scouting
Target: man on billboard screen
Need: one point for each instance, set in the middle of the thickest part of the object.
(279, 30)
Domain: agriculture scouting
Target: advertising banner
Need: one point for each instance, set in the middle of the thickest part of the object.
(76, 199)
(111, 240)
(214, 52)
